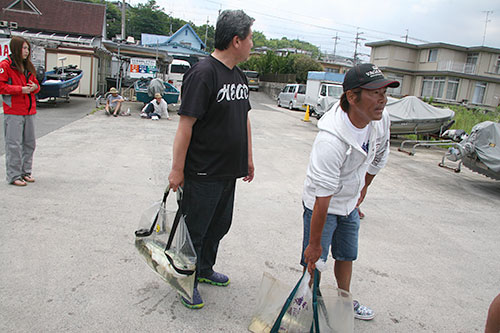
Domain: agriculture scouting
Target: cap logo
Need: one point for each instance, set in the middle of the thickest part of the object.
(374, 72)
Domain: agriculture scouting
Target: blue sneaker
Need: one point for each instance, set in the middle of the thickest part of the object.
(217, 279)
(197, 302)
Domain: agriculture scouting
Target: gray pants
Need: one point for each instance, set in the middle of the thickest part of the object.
(20, 144)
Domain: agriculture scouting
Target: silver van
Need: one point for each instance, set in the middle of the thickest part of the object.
(293, 96)
(253, 79)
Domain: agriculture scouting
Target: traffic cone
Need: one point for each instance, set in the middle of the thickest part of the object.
(306, 116)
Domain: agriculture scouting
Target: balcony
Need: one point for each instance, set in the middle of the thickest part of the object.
(458, 67)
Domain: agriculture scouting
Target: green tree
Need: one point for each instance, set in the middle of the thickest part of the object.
(147, 18)
(303, 64)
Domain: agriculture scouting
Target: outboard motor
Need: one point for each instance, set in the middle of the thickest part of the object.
(40, 73)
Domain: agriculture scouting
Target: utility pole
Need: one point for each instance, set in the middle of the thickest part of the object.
(170, 14)
(406, 36)
(488, 12)
(336, 38)
(356, 42)
(206, 33)
(124, 4)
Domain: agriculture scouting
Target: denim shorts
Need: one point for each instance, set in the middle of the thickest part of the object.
(341, 232)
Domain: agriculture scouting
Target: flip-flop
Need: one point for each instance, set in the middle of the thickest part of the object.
(29, 178)
(19, 182)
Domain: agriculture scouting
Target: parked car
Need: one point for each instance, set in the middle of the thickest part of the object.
(293, 96)
(253, 79)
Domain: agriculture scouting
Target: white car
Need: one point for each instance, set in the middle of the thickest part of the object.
(293, 96)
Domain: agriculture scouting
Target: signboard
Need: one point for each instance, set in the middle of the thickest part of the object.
(37, 52)
(4, 48)
(140, 67)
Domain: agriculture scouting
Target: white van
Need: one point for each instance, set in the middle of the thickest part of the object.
(176, 72)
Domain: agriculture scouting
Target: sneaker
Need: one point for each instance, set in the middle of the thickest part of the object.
(362, 312)
(217, 279)
(197, 302)
(155, 118)
(107, 113)
(144, 115)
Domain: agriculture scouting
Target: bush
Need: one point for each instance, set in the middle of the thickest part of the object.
(467, 118)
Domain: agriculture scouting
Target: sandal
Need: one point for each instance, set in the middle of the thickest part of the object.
(29, 178)
(19, 182)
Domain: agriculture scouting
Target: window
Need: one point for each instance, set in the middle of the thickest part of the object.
(302, 89)
(470, 63)
(24, 6)
(181, 69)
(433, 86)
(395, 77)
(323, 90)
(496, 69)
(452, 88)
(479, 93)
(433, 53)
(335, 91)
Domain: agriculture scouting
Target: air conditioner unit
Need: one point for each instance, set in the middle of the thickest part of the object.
(4, 24)
(13, 25)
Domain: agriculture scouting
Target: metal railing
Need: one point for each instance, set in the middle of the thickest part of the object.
(459, 67)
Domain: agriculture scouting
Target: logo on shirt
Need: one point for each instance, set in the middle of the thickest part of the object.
(1, 70)
(366, 146)
(232, 92)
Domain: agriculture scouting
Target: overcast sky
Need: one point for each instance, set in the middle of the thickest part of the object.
(460, 22)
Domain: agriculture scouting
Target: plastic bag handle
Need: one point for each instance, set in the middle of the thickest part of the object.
(175, 224)
(277, 322)
(315, 323)
(148, 232)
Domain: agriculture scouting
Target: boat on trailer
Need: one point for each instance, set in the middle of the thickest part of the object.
(60, 82)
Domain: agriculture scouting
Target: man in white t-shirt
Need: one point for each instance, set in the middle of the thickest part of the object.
(350, 148)
(156, 109)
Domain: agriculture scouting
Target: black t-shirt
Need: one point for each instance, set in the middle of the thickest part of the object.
(218, 98)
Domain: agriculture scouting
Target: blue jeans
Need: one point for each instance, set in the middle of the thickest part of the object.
(340, 232)
(208, 206)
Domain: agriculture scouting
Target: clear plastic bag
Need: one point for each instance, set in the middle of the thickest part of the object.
(329, 310)
(280, 310)
(163, 241)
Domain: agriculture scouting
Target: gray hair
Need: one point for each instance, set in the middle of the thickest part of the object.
(229, 24)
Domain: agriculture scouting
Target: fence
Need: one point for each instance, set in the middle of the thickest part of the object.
(283, 78)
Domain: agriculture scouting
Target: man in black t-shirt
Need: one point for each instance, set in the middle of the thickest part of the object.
(213, 146)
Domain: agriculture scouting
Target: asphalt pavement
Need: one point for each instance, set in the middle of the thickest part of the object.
(429, 250)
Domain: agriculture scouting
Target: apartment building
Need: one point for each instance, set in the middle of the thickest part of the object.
(447, 73)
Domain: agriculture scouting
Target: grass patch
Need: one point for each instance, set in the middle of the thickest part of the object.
(467, 118)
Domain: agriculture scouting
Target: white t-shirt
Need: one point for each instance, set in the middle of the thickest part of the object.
(361, 135)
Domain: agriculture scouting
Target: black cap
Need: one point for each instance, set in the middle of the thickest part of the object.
(367, 76)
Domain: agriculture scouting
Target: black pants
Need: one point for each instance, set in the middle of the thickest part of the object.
(150, 111)
(208, 206)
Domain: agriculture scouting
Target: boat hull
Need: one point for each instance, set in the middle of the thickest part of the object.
(170, 95)
(58, 88)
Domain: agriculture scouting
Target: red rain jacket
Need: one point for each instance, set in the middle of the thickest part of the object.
(11, 83)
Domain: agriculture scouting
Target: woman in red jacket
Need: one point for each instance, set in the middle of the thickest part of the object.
(18, 85)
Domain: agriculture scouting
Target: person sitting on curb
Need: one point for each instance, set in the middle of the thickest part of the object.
(113, 103)
(155, 109)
